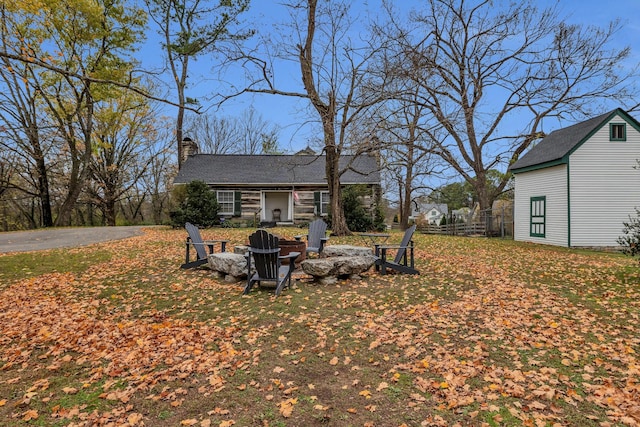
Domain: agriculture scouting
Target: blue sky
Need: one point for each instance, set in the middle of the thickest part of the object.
(287, 113)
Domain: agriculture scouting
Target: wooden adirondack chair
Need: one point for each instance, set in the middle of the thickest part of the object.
(265, 254)
(194, 239)
(316, 237)
(403, 262)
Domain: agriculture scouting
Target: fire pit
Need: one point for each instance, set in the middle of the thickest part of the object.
(288, 246)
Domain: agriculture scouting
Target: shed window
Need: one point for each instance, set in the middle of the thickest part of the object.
(225, 201)
(617, 132)
(538, 216)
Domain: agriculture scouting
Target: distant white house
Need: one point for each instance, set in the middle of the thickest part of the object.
(430, 212)
(461, 215)
(577, 186)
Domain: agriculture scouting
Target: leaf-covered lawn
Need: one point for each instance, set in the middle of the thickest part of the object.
(492, 333)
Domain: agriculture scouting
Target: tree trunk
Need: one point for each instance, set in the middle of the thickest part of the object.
(408, 183)
(43, 192)
(338, 221)
(179, 134)
(80, 164)
(480, 185)
(110, 211)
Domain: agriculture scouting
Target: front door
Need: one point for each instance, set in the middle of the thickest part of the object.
(276, 206)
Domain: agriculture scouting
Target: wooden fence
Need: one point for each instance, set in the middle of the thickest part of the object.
(496, 223)
(477, 228)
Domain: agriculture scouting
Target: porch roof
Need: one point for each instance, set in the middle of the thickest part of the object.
(238, 169)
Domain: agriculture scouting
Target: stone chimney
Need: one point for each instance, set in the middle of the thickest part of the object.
(189, 148)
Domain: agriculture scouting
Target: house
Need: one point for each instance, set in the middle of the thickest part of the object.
(461, 215)
(282, 189)
(430, 212)
(577, 186)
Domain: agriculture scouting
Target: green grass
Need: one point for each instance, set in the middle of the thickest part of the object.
(32, 264)
(435, 348)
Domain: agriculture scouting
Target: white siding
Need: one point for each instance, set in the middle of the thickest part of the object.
(552, 184)
(605, 187)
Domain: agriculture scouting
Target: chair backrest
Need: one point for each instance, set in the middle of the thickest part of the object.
(194, 235)
(405, 242)
(265, 249)
(317, 230)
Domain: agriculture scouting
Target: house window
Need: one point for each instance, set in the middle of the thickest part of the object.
(225, 201)
(617, 132)
(538, 216)
(324, 203)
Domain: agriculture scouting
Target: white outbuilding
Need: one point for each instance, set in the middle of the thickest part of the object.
(580, 183)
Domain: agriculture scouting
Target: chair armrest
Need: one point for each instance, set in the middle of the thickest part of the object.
(393, 247)
(290, 255)
(323, 240)
(210, 243)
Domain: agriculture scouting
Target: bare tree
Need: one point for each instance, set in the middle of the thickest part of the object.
(492, 65)
(215, 135)
(247, 134)
(158, 180)
(334, 74)
(189, 29)
(258, 135)
(408, 156)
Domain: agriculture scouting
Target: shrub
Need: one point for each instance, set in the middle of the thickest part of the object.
(357, 218)
(197, 204)
(630, 241)
(378, 219)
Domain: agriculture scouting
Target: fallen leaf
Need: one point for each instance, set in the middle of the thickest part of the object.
(286, 407)
(366, 394)
(30, 415)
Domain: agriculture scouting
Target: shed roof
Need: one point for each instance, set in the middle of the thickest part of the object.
(559, 143)
(241, 169)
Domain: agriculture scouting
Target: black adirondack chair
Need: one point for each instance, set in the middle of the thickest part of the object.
(403, 261)
(316, 237)
(194, 239)
(265, 254)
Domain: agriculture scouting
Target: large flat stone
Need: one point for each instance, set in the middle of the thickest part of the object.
(232, 265)
(346, 250)
(327, 270)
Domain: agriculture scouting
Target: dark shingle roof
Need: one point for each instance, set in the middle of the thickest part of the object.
(561, 142)
(272, 169)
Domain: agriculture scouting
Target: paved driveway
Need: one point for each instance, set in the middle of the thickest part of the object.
(36, 240)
